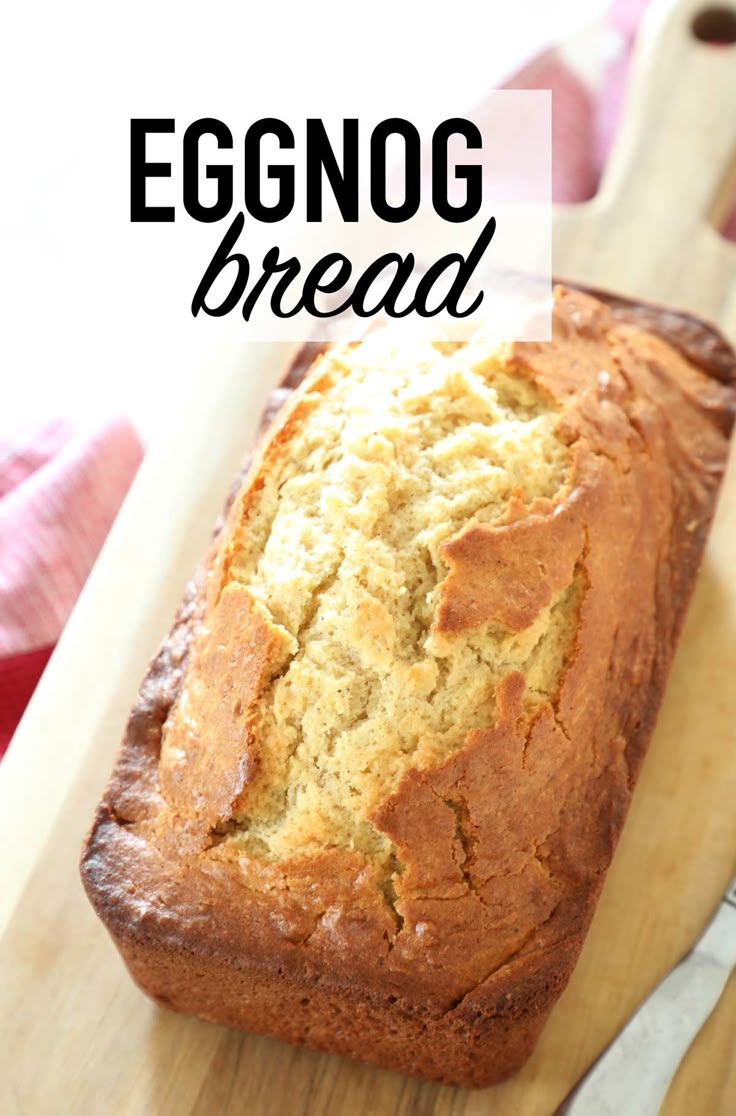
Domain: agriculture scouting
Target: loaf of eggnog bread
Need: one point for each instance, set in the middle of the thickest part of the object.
(378, 769)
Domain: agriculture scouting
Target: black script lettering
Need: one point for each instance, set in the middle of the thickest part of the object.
(271, 267)
(404, 269)
(465, 269)
(222, 257)
(316, 283)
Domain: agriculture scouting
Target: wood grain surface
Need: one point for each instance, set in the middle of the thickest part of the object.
(75, 1034)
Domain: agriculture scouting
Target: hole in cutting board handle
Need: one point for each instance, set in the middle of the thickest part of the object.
(715, 25)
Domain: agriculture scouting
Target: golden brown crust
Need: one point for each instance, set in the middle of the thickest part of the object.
(448, 967)
(507, 574)
(238, 649)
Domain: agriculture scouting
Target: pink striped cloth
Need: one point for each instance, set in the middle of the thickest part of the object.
(60, 489)
(583, 122)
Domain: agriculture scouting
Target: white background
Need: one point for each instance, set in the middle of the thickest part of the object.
(95, 311)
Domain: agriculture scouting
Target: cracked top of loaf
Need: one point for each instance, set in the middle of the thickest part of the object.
(392, 737)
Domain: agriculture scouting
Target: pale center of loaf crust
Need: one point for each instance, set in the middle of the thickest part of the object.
(342, 548)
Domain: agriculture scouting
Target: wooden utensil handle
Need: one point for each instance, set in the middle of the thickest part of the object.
(677, 138)
(651, 231)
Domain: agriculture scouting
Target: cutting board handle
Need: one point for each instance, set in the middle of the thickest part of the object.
(674, 159)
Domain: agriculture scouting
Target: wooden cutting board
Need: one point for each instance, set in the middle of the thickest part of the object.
(75, 1034)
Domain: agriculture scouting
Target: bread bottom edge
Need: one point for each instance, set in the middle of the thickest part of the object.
(446, 1049)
